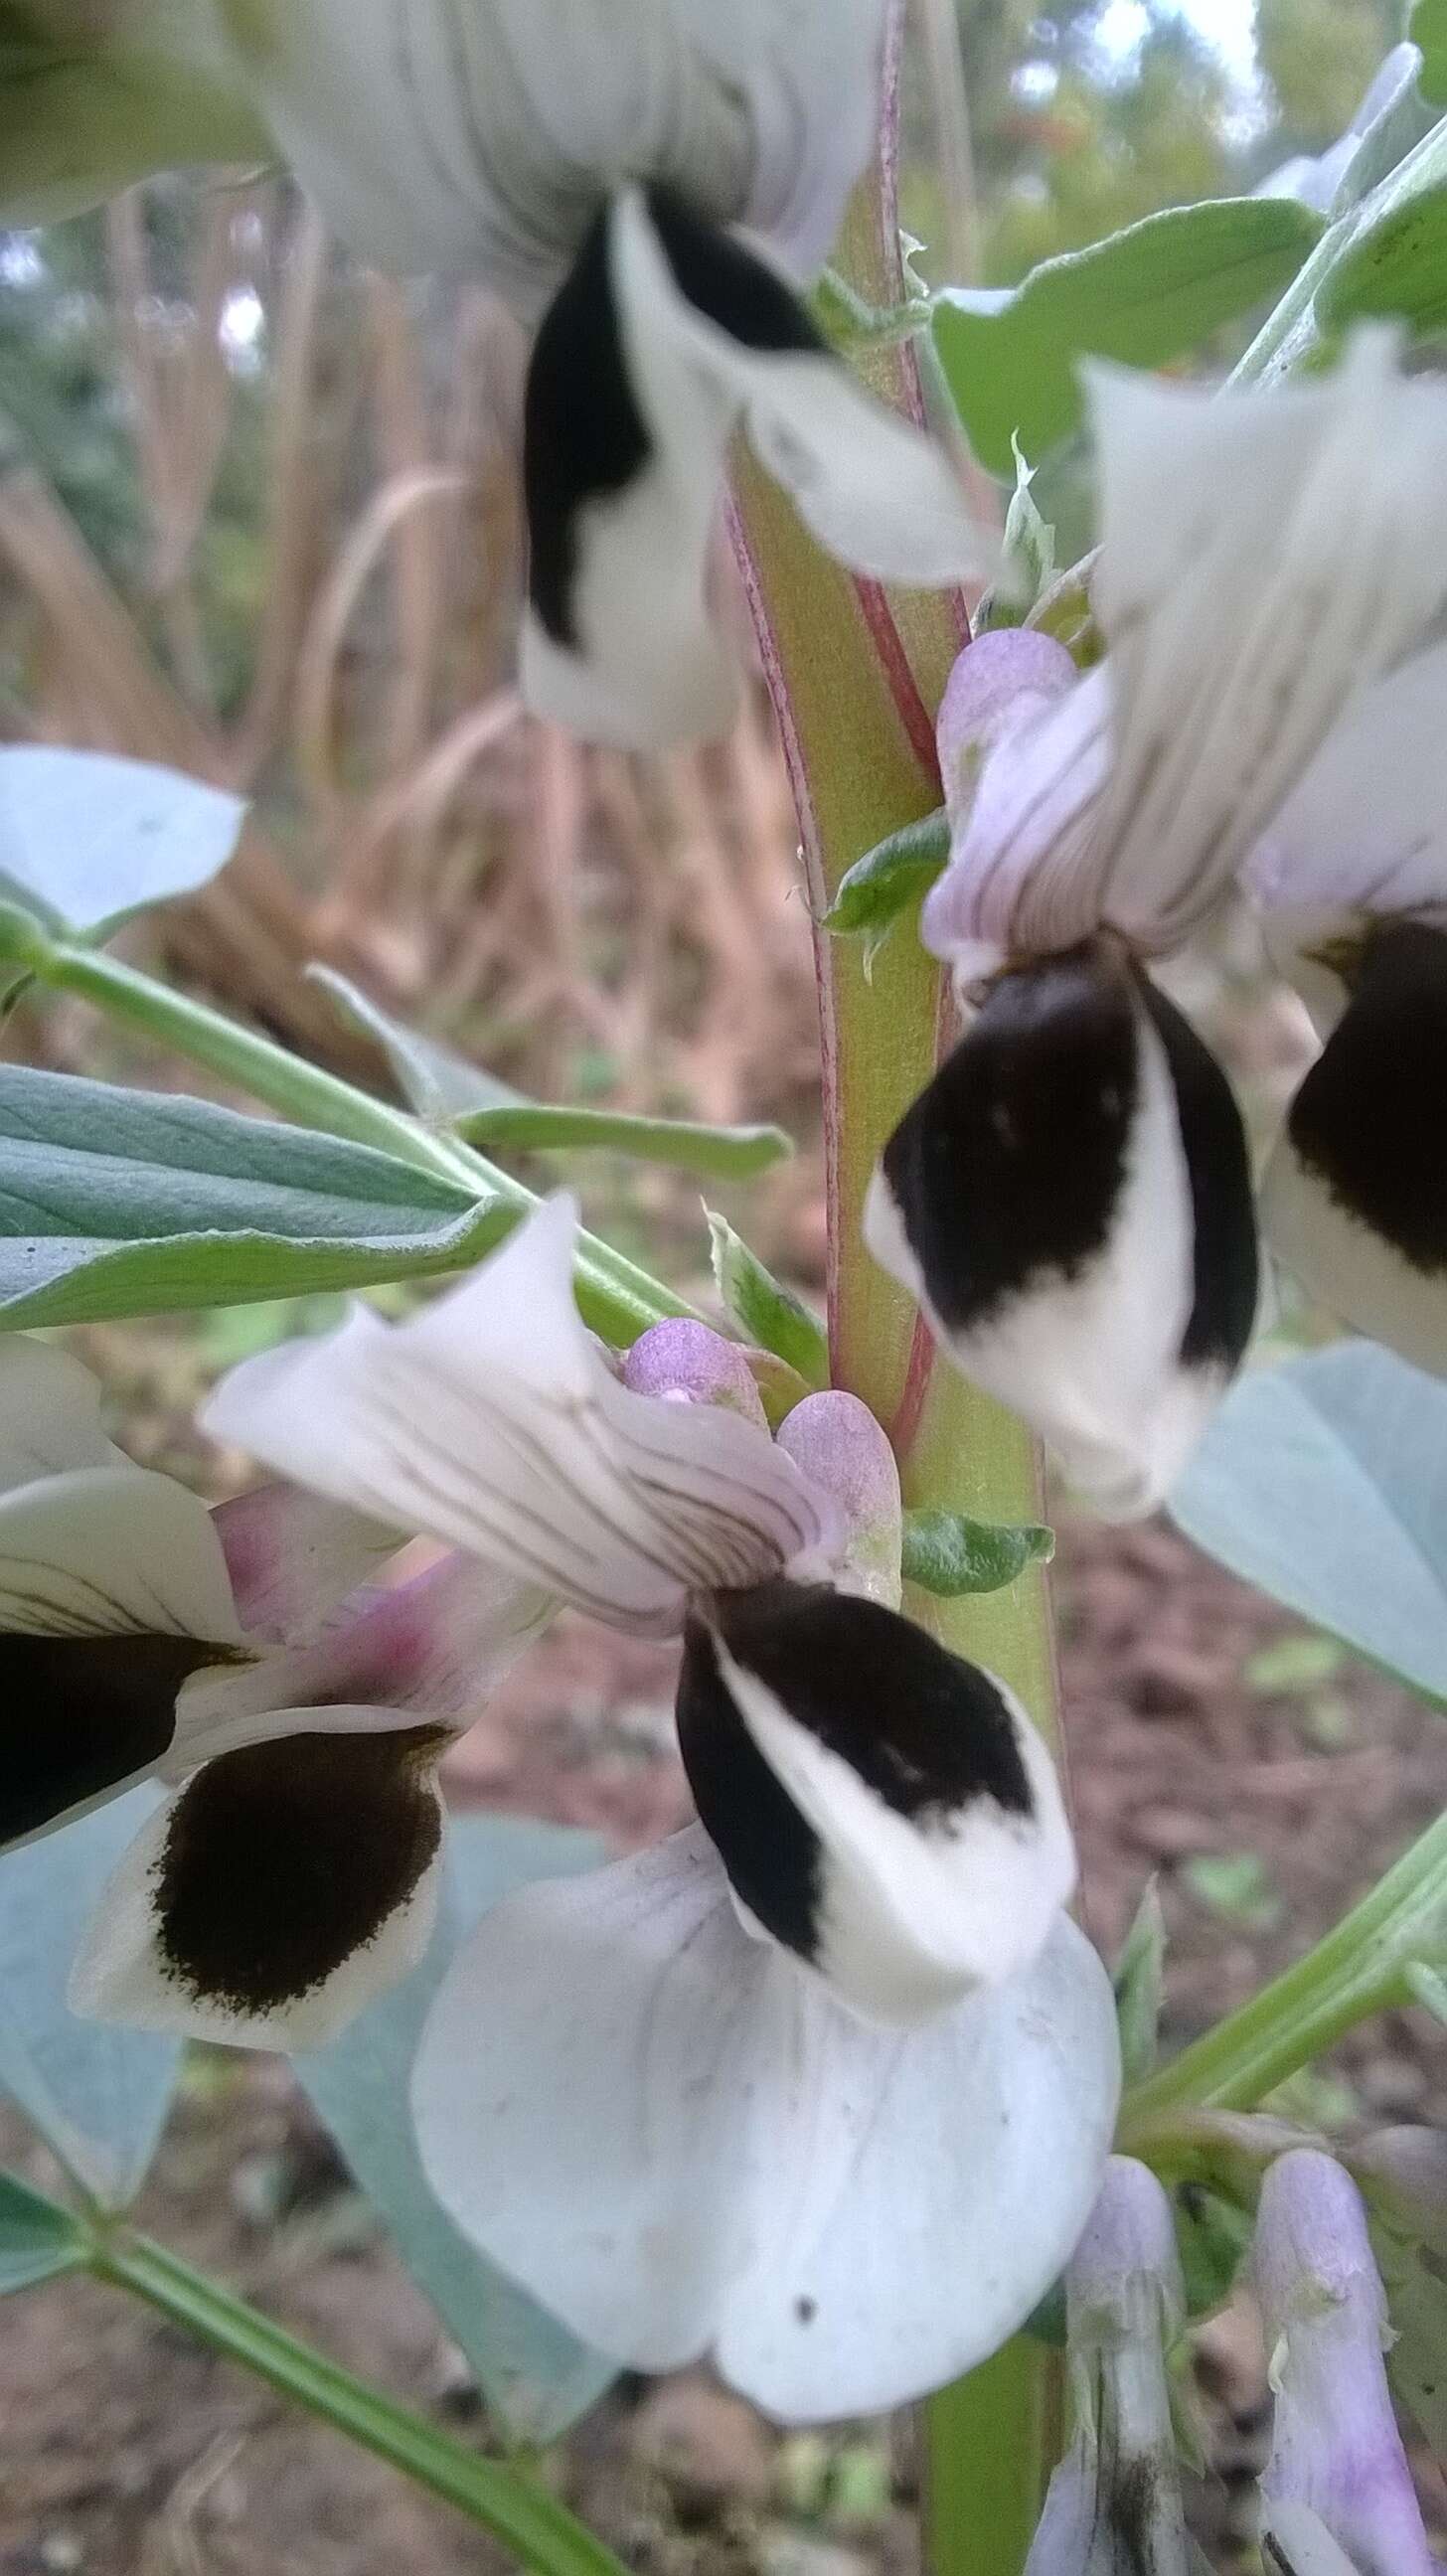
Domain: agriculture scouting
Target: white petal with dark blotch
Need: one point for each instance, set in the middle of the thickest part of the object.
(883, 1809)
(50, 1414)
(1070, 1200)
(490, 1422)
(667, 335)
(1353, 1201)
(681, 2144)
(274, 1895)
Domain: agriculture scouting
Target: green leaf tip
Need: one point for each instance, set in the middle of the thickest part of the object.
(889, 878)
(1142, 296)
(947, 1553)
(765, 1311)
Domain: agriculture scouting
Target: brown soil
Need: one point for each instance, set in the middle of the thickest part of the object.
(125, 2450)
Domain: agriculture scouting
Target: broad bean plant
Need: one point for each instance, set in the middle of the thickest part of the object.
(829, 2089)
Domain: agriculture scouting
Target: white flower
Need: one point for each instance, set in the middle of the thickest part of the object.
(748, 2092)
(609, 155)
(291, 1874)
(1071, 1198)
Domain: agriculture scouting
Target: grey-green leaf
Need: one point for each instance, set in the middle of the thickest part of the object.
(1398, 269)
(685, 1144)
(765, 1311)
(947, 1553)
(120, 1202)
(98, 2094)
(86, 840)
(896, 873)
(1140, 1980)
(37, 2237)
(1143, 296)
(432, 1078)
(534, 2374)
(1427, 27)
(1325, 1483)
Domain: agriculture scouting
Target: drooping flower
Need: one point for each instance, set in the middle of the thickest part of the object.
(1114, 2505)
(1337, 2493)
(825, 2083)
(296, 1720)
(660, 175)
(1070, 1198)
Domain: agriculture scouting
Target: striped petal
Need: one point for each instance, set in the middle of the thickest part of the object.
(490, 1422)
(666, 336)
(1070, 1200)
(681, 2145)
(280, 1890)
(884, 1810)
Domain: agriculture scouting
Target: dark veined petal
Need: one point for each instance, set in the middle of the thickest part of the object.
(279, 1891)
(1070, 1200)
(883, 1809)
(113, 1593)
(680, 2143)
(667, 334)
(1355, 1196)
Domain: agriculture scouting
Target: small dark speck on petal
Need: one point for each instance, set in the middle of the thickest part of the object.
(806, 2310)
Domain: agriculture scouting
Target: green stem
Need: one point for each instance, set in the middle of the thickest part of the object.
(530, 2522)
(856, 675)
(1360, 1968)
(617, 1299)
(726, 1153)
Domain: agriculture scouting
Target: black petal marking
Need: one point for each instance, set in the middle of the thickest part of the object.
(584, 434)
(1218, 1166)
(85, 1713)
(1008, 1168)
(284, 1858)
(1368, 1120)
(925, 1731)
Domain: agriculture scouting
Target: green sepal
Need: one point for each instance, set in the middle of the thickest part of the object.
(947, 1553)
(765, 1311)
(896, 873)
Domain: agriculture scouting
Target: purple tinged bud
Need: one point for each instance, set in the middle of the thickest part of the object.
(998, 683)
(1336, 2453)
(836, 1443)
(689, 1363)
(1115, 2501)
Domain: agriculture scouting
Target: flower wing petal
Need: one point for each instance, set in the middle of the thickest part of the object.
(927, 2190)
(1070, 1199)
(584, 2095)
(490, 1422)
(274, 1895)
(292, 1556)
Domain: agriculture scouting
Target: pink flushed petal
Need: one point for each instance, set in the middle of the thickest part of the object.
(439, 1645)
(998, 683)
(836, 1443)
(1335, 2445)
(292, 1556)
(1025, 875)
(689, 1361)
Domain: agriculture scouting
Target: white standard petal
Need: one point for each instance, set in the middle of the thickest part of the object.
(490, 1422)
(1070, 1200)
(274, 1895)
(1259, 567)
(50, 1414)
(680, 2144)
